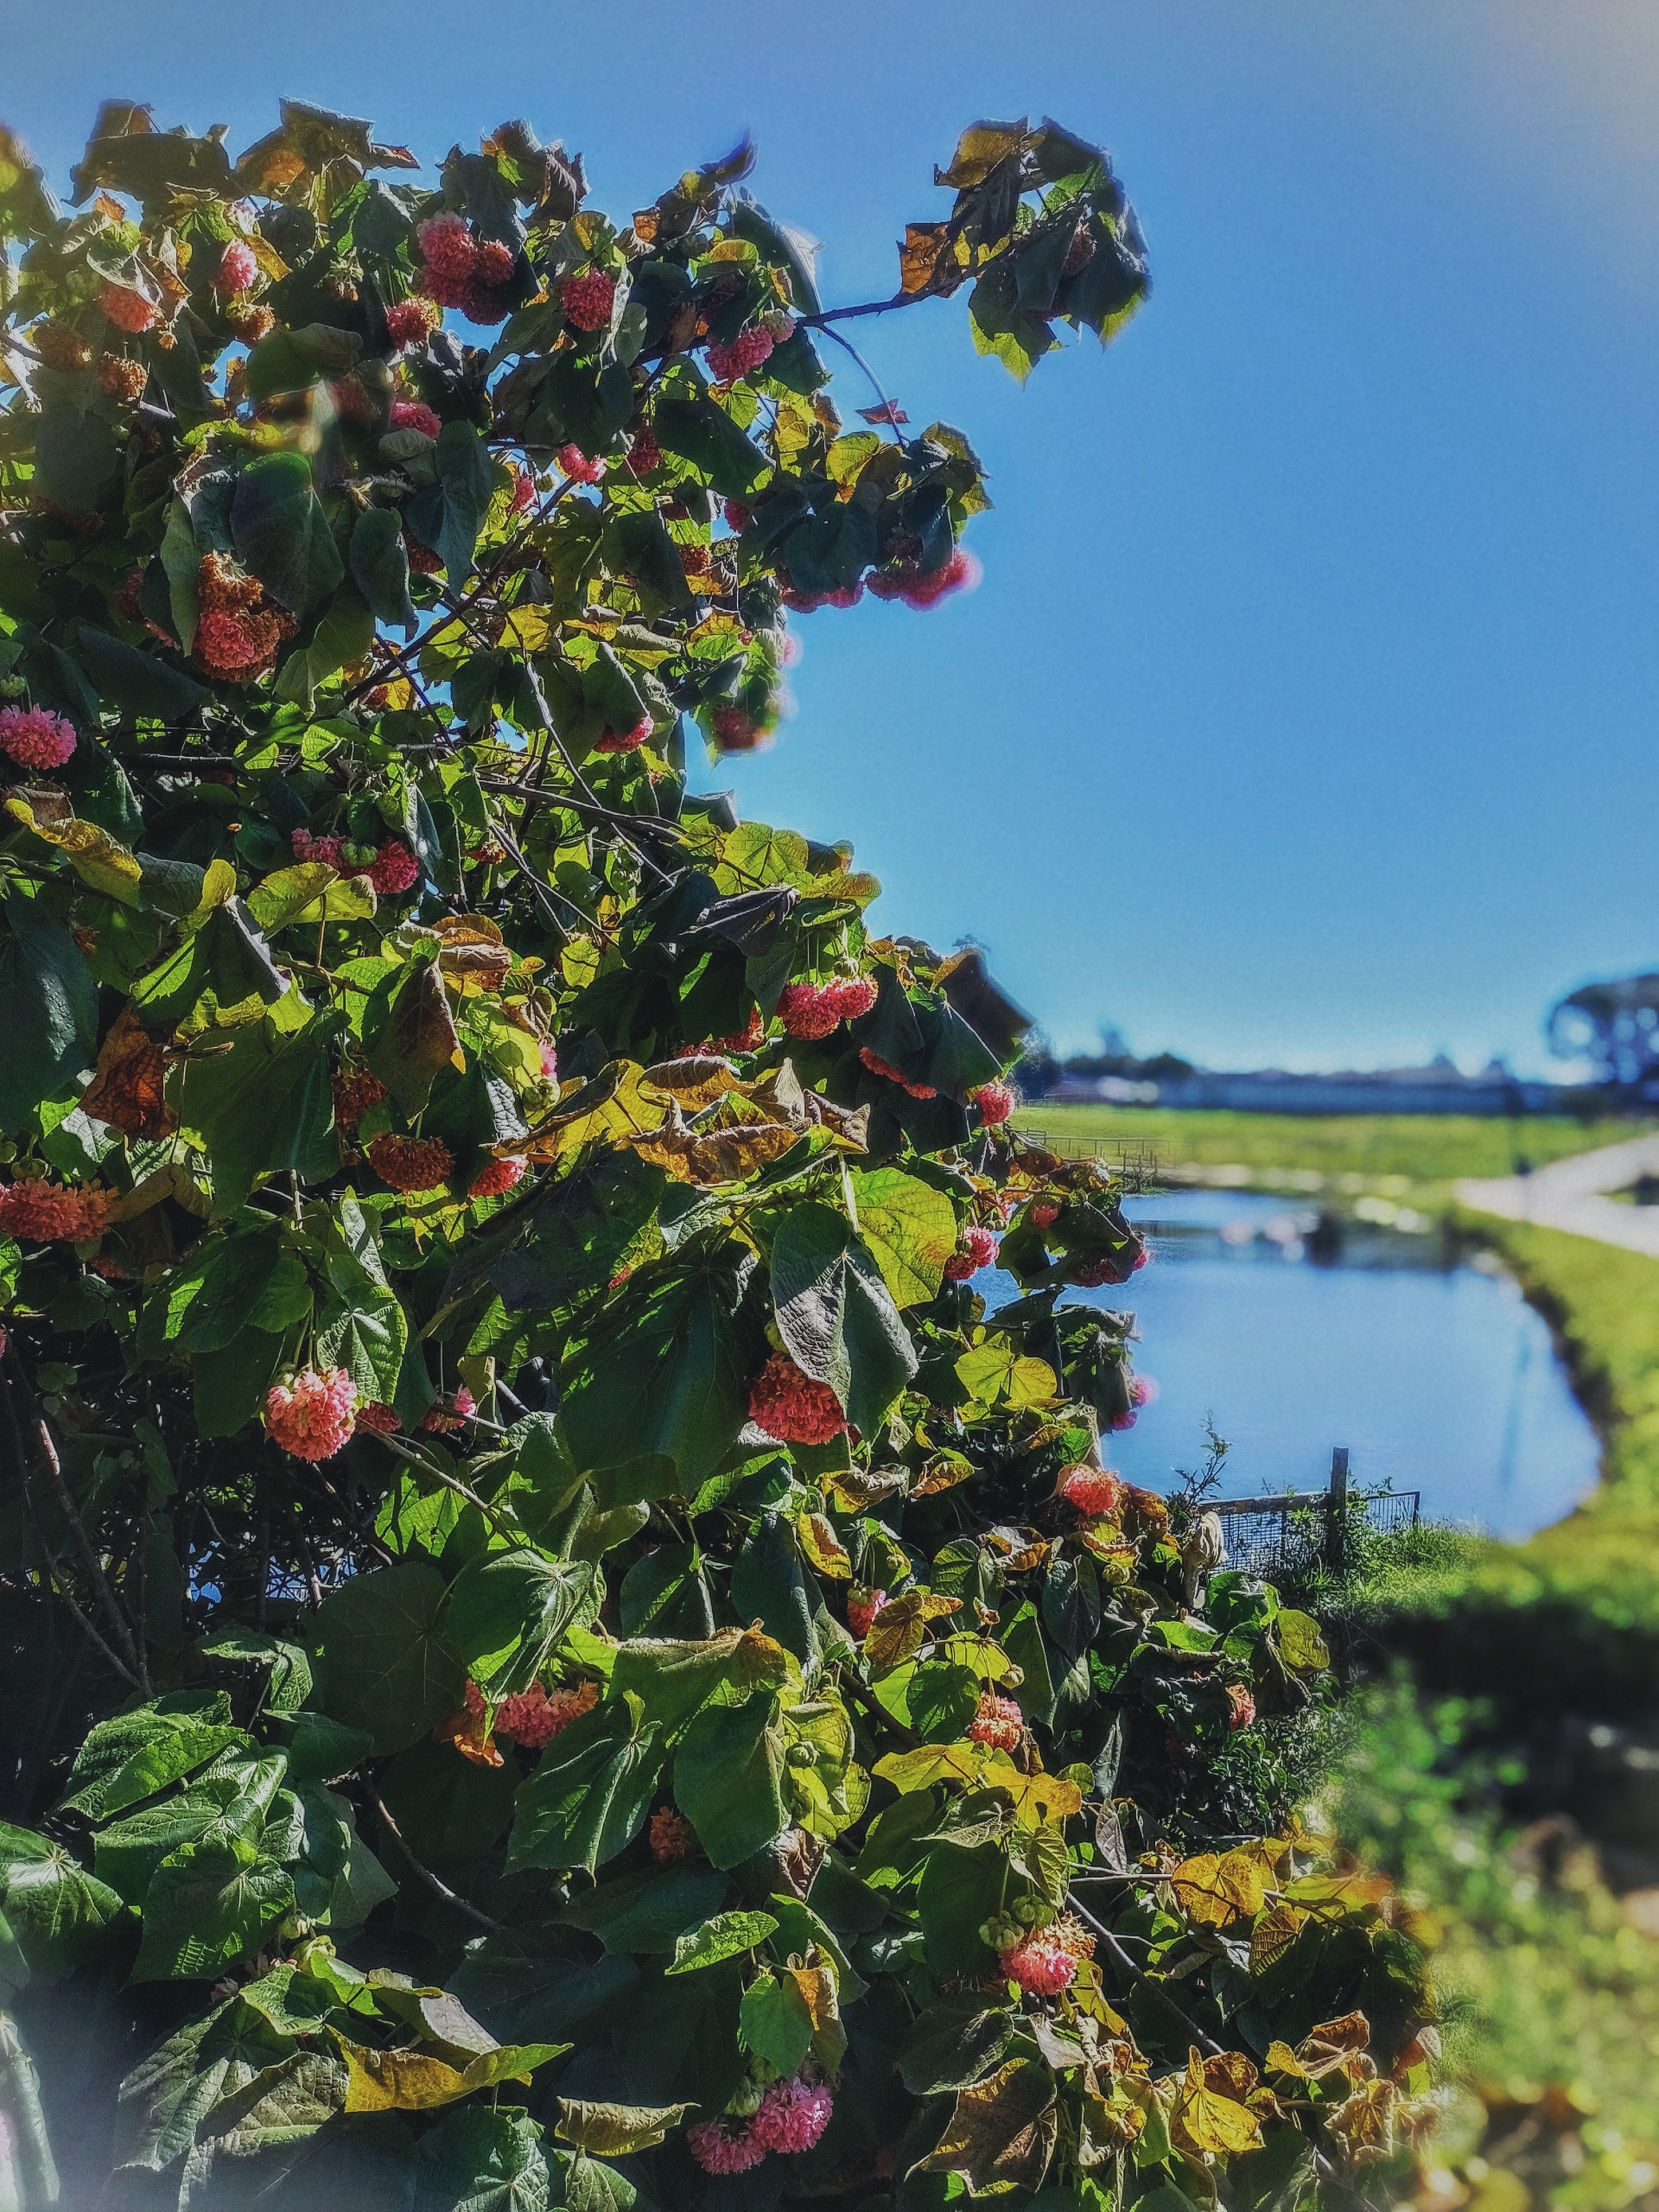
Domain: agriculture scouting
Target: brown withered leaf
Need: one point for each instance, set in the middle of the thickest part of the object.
(823, 1549)
(899, 1630)
(694, 1081)
(856, 1490)
(721, 1155)
(1003, 2130)
(942, 1471)
(126, 1089)
(1332, 2043)
(472, 946)
(1363, 2126)
(920, 254)
(418, 1040)
(1020, 1549)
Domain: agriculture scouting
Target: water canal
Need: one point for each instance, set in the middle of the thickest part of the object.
(1425, 1360)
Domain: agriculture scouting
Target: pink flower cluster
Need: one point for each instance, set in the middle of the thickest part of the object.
(575, 464)
(394, 868)
(457, 271)
(36, 739)
(877, 1065)
(313, 1418)
(523, 492)
(1242, 1707)
(751, 349)
(791, 2118)
(736, 731)
(1040, 1964)
(48, 1212)
(628, 741)
(587, 299)
(494, 1181)
(127, 310)
(1092, 1490)
(645, 454)
(238, 268)
(380, 1420)
(792, 1405)
(672, 1838)
(812, 1010)
(537, 1716)
(998, 1723)
(808, 602)
(977, 1250)
(926, 588)
(862, 1607)
(415, 414)
(412, 323)
(994, 1102)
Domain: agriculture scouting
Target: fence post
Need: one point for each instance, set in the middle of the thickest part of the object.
(1337, 1508)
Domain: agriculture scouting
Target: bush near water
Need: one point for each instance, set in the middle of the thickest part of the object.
(615, 1680)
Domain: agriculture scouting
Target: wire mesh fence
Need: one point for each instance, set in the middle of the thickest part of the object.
(1292, 1534)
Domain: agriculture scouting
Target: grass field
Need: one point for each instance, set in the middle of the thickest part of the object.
(1371, 1148)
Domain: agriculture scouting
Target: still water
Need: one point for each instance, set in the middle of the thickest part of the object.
(1436, 1374)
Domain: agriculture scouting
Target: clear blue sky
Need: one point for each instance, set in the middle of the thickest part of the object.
(1306, 713)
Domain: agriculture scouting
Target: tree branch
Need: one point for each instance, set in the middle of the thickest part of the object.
(439, 1888)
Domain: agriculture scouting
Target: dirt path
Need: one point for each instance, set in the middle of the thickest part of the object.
(1571, 1194)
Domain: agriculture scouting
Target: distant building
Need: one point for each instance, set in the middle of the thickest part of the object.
(1439, 1088)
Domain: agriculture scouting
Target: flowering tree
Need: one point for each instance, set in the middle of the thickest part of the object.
(623, 1679)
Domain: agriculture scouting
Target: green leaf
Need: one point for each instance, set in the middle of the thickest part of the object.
(289, 360)
(776, 2023)
(663, 1373)
(836, 1314)
(998, 1373)
(107, 1748)
(955, 2042)
(383, 1663)
(281, 533)
(698, 431)
(728, 1778)
(379, 564)
(910, 1229)
(674, 1679)
(166, 1759)
(263, 1106)
(771, 1585)
(467, 477)
(666, 1593)
(57, 1914)
(476, 2160)
(137, 682)
(647, 1911)
(506, 1613)
(1300, 1644)
(589, 1795)
(208, 1906)
(959, 1891)
(48, 1009)
(417, 1039)
(341, 639)
(75, 457)
(539, 1983)
(725, 1936)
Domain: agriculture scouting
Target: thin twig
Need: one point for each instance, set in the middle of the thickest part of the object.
(1155, 1989)
(861, 1696)
(438, 1888)
(70, 1513)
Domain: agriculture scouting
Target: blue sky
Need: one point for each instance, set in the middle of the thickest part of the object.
(1306, 712)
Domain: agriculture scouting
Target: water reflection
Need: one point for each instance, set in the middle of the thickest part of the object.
(1297, 1331)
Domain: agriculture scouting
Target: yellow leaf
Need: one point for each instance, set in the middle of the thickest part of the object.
(1281, 2059)
(928, 1764)
(1209, 2122)
(97, 858)
(616, 2131)
(414, 2081)
(823, 1549)
(997, 1372)
(1299, 1644)
(218, 884)
(1272, 1935)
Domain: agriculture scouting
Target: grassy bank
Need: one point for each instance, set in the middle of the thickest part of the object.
(1422, 1149)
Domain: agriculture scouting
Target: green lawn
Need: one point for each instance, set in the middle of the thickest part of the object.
(1423, 1148)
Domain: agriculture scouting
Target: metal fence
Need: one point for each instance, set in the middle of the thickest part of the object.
(1291, 1532)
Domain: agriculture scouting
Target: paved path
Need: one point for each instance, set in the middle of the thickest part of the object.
(1570, 1194)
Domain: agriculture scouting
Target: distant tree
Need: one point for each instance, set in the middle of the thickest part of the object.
(1614, 1025)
